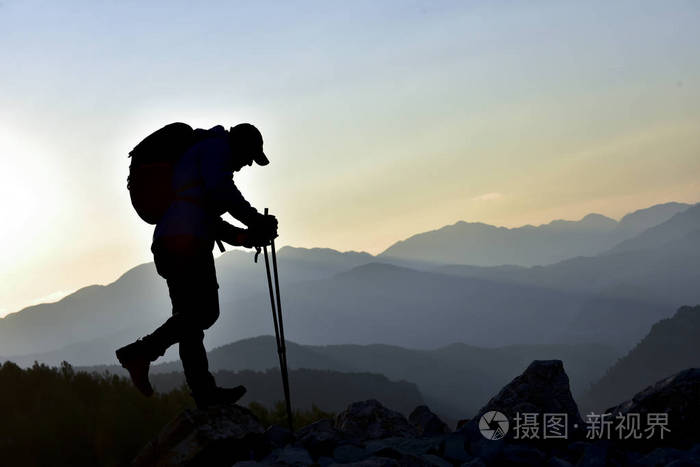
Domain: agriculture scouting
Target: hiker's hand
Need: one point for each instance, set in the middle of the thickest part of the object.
(229, 233)
(250, 240)
(265, 229)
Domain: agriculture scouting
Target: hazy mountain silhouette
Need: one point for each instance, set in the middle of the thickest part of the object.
(339, 389)
(124, 306)
(138, 301)
(672, 345)
(674, 229)
(643, 219)
(486, 245)
(377, 303)
(612, 298)
(627, 290)
(333, 297)
(455, 379)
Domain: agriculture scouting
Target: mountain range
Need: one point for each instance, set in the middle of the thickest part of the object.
(479, 244)
(610, 298)
(339, 388)
(454, 380)
(672, 345)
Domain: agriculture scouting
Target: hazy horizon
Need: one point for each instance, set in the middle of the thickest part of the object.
(58, 295)
(381, 120)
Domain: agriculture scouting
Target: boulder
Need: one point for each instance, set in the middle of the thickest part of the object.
(435, 461)
(668, 456)
(452, 448)
(519, 455)
(558, 462)
(289, 455)
(474, 463)
(675, 397)
(404, 446)
(595, 454)
(348, 453)
(427, 423)
(320, 438)
(542, 389)
(219, 435)
(369, 434)
(373, 462)
(371, 420)
(278, 436)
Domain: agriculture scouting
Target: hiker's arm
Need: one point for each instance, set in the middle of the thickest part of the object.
(230, 233)
(238, 237)
(236, 205)
(218, 182)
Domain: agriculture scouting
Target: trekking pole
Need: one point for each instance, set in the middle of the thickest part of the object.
(279, 328)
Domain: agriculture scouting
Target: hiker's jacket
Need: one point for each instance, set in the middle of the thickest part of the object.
(203, 181)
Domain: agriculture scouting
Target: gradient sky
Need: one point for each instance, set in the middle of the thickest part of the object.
(382, 119)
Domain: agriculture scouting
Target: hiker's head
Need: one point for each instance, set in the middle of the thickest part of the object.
(247, 146)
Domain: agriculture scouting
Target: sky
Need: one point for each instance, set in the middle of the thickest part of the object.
(382, 119)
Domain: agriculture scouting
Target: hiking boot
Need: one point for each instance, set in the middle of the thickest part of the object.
(132, 357)
(219, 396)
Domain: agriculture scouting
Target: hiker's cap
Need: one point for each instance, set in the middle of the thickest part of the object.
(251, 139)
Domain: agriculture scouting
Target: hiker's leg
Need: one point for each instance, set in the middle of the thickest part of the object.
(195, 364)
(191, 279)
(192, 351)
(193, 290)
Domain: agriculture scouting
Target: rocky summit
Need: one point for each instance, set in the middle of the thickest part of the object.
(532, 421)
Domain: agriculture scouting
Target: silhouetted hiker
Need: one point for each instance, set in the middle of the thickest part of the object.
(183, 240)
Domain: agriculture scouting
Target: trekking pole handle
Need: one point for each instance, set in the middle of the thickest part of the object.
(257, 248)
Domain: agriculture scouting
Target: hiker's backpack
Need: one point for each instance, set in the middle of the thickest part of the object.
(151, 169)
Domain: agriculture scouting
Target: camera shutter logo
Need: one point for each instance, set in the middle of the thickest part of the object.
(493, 425)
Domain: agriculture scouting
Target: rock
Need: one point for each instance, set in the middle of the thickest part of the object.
(289, 455)
(594, 455)
(373, 462)
(677, 397)
(452, 448)
(349, 453)
(558, 462)
(577, 448)
(478, 446)
(390, 452)
(278, 436)
(371, 420)
(461, 422)
(522, 455)
(219, 435)
(684, 463)
(543, 388)
(474, 463)
(404, 446)
(405, 452)
(432, 459)
(668, 456)
(325, 461)
(320, 438)
(426, 422)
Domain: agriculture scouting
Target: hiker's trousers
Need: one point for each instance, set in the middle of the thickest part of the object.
(191, 279)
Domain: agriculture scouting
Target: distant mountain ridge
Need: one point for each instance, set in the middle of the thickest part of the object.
(675, 228)
(349, 297)
(454, 379)
(138, 301)
(481, 244)
(628, 289)
(673, 344)
(340, 389)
